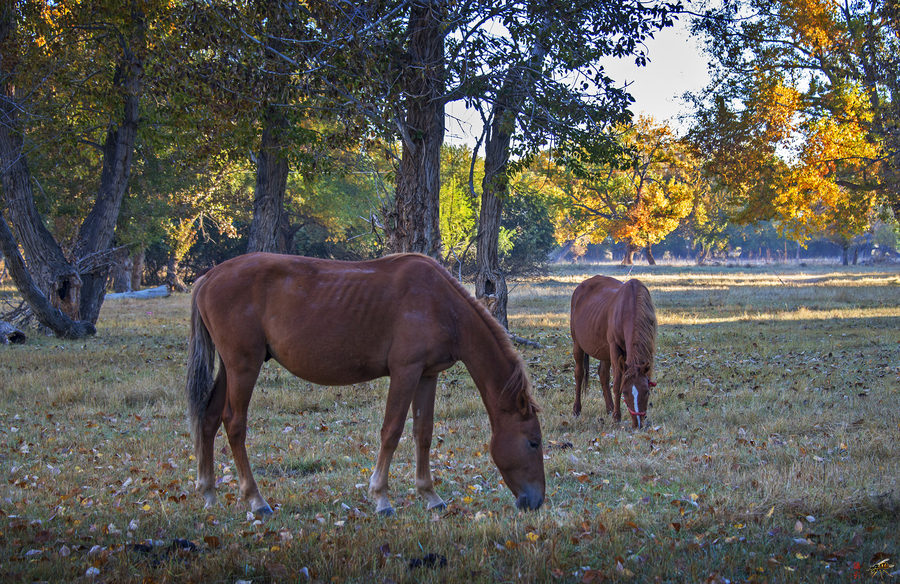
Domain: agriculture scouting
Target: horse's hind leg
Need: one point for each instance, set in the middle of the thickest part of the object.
(209, 426)
(423, 429)
(240, 389)
(582, 376)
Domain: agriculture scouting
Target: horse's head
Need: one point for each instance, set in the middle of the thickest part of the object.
(517, 451)
(636, 386)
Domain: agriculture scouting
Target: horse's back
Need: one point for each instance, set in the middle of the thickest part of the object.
(592, 302)
(327, 321)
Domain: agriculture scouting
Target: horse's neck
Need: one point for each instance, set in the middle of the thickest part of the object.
(487, 361)
(632, 328)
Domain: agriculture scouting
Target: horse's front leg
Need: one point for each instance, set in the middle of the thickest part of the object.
(240, 388)
(205, 442)
(423, 430)
(617, 364)
(603, 374)
(400, 394)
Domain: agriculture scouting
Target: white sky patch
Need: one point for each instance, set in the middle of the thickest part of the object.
(676, 65)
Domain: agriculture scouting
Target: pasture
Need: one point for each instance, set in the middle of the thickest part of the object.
(770, 454)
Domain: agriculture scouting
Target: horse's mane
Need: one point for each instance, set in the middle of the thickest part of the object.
(519, 382)
(643, 337)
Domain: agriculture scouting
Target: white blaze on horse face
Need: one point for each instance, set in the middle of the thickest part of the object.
(634, 392)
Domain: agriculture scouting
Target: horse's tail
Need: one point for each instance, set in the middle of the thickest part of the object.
(200, 363)
(586, 373)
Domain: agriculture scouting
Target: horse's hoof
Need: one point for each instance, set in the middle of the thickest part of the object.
(386, 512)
(442, 506)
(266, 510)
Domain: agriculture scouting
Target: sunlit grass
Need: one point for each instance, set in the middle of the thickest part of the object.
(771, 453)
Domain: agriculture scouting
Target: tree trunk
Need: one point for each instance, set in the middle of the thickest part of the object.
(414, 223)
(490, 284)
(286, 234)
(173, 280)
(46, 314)
(51, 273)
(137, 268)
(648, 253)
(271, 183)
(76, 290)
(701, 256)
(630, 250)
(96, 234)
(845, 254)
(120, 274)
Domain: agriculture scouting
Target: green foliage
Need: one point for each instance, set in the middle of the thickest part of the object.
(459, 216)
(526, 231)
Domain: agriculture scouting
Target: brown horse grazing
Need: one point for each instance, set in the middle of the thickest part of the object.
(338, 323)
(615, 323)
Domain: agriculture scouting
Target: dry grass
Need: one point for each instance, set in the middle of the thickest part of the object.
(771, 455)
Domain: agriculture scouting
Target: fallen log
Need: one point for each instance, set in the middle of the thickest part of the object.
(10, 334)
(158, 292)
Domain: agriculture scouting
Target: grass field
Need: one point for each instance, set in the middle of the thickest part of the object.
(771, 455)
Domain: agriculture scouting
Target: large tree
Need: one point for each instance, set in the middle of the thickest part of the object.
(241, 71)
(71, 75)
(638, 201)
(554, 92)
(398, 63)
(800, 122)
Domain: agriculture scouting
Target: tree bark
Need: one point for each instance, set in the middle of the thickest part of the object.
(120, 274)
(96, 233)
(271, 183)
(630, 250)
(46, 314)
(173, 280)
(414, 223)
(490, 282)
(52, 275)
(137, 268)
(648, 253)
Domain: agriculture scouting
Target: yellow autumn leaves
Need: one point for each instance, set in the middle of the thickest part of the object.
(638, 202)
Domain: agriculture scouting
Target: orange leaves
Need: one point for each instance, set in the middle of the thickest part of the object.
(639, 202)
(815, 22)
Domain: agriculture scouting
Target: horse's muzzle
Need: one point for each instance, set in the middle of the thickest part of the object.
(529, 501)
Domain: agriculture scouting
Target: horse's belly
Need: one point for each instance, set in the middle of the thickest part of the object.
(335, 368)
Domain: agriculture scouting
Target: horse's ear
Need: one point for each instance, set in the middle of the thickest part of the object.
(526, 404)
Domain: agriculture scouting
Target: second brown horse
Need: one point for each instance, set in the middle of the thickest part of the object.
(614, 322)
(338, 323)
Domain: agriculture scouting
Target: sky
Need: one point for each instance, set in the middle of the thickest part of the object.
(676, 65)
